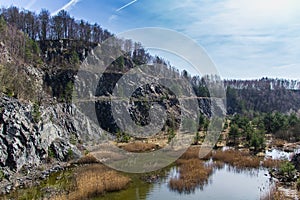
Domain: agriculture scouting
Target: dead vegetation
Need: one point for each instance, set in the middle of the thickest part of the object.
(87, 159)
(193, 152)
(94, 180)
(139, 147)
(193, 173)
(272, 163)
(236, 158)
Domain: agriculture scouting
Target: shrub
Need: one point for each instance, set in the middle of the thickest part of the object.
(73, 139)
(86, 152)
(67, 96)
(51, 153)
(197, 138)
(171, 134)
(257, 140)
(287, 168)
(122, 137)
(36, 114)
(70, 154)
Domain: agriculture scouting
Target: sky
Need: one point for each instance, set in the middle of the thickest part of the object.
(245, 39)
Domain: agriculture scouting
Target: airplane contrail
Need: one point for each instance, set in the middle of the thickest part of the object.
(121, 8)
(66, 7)
(29, 5)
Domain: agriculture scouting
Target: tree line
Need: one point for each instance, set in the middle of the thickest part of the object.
(43, 26)
(264, 95)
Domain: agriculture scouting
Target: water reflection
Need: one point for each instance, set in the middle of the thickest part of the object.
(226, 183)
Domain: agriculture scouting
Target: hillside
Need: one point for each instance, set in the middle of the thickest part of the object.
(56, 46)
(40, 58)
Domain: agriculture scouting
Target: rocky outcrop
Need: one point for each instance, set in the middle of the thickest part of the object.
(5, 56)
(28, 142)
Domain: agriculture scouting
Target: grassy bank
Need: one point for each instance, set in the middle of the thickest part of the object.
(239, 159)
(94, 180)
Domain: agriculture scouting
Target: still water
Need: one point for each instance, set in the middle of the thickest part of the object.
(225, 183)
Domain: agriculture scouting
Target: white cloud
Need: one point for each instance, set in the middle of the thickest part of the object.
(245, 37)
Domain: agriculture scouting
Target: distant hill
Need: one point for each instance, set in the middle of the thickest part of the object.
(264, 95)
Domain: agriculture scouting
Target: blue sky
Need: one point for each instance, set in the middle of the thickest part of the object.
(245, 39)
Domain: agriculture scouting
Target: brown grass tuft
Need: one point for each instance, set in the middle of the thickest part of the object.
(272, 163)
(193, 153)
(94, 180)
(193, 173)
(87, 159)
(237, 158)
(138, 147)
(217, 164)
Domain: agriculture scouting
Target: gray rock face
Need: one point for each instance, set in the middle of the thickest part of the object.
(19, 137)
(26, 142)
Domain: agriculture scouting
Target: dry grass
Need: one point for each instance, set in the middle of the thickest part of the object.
(87, 159)
(272, 163)
(237, 158)
(274, 194)
(217, 164)
(193, 153)
(138, 147)
(94, 180)
(193, 173)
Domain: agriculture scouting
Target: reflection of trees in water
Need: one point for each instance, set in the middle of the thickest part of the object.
(242, 170)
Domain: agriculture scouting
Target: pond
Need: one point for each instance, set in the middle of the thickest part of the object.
(226, 183)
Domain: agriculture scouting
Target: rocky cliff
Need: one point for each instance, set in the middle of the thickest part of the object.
(32, 136)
